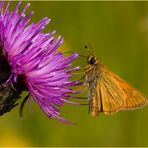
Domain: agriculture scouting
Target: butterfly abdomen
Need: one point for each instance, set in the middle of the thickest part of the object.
(95, 100)
(95, 107)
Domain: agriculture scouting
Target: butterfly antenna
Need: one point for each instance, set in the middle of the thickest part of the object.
(88, 47)
(78, 54)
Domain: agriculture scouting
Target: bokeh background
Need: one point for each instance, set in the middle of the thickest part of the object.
(118, 33)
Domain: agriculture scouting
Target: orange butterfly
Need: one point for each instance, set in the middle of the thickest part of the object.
(108, 92)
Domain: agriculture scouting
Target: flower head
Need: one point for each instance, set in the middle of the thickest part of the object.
(33, 61)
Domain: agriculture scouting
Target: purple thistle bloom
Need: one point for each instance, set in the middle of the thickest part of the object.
(34, 63)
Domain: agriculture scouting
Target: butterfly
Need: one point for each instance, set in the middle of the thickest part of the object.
(107, 92)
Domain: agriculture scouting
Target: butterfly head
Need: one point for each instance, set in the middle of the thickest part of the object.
(92, 60)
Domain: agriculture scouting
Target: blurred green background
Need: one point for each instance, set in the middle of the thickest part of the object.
(118, 33)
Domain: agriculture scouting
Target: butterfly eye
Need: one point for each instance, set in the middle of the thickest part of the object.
(92, 61)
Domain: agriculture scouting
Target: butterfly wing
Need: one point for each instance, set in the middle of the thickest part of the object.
(116, 94)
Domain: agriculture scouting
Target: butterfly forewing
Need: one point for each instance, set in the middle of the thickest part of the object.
(132, 97)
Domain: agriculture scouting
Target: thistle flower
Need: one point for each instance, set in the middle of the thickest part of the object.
(29, 61)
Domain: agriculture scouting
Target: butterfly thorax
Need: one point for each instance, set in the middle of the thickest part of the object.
(92, 72)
